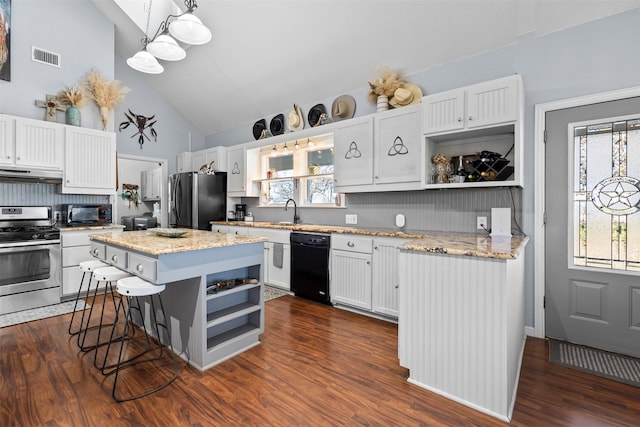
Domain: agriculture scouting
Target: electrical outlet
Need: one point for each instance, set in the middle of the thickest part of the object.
(351, 219)
(57, 216)
(481, 223)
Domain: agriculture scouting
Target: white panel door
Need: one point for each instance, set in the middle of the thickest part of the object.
(353, 153)
(90, 161)
(351, 279)
(39, 144)
(443, 112)
(397, 146)
(236, 170)
(492, 103)
(385, 276)
(6, 140)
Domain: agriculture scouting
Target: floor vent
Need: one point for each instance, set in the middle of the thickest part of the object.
(45, 57)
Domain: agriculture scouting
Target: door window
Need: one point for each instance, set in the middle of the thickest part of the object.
(606, 194)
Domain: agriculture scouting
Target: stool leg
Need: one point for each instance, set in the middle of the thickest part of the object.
(85, 326)
(121, 365)
(75, 306)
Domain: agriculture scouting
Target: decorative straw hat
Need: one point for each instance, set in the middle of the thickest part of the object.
(407, 95)
(295, 119)
(343, 107)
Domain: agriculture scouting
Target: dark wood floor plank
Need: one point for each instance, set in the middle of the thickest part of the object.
(315, 366)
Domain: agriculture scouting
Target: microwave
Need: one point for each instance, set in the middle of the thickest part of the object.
(86, 214)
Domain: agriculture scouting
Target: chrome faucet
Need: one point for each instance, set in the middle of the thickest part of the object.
(296, 218)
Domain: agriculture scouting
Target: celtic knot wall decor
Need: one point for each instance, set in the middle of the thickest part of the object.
(353, 152)
(398, 147)
(236, 169)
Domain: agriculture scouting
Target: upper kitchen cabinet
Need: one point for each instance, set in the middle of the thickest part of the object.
(217, 155)
(31, 143)
(353, 153)
(89, 161)
(479, 129)
(183, 161)
(151, 183)
(242, 170)
(485, 104)
(396, 143)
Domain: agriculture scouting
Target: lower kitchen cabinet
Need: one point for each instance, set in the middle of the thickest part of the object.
(364, 273)
(385, 276)
(76, 248)
(351, 271)
(276, 273)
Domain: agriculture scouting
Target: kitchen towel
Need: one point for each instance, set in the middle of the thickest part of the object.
(277, 255)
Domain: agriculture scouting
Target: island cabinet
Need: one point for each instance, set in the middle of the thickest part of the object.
(76, 248)
(211, 318)
(461, 323)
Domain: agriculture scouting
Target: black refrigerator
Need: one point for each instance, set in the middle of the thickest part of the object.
(196, 199)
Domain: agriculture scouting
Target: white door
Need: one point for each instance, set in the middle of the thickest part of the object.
(592, 231)
(353, 153)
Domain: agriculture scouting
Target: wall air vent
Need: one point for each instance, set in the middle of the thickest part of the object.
(45, 57)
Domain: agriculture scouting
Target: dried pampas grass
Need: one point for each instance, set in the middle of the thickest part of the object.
(385, 84)
(72, 95)
(105, 93)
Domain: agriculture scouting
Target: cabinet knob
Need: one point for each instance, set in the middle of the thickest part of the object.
(139, 268)
(114, 258)
(368, 262)
(18, 158)
(396, 286)
(375, 247)
(470, 118)
(376, 177)
(350, 244)
(459, 119)
(8, 157)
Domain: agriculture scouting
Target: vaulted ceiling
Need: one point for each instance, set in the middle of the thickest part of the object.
(265, 55)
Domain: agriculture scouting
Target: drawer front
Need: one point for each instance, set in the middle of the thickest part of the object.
(75, 238)
(116, 257)
(351, 243)
(273, 235)
(73, 256)
(143, 266)
(219, 228)
(99, 250)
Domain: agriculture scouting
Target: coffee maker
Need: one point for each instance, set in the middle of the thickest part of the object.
(241, 210)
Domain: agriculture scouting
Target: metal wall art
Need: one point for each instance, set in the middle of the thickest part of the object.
(142, 123)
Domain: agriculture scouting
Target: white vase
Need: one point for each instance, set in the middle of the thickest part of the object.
(104, 116)
(383, 103)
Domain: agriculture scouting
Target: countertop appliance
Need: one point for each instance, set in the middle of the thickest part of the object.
(29, 258)
(196, 199)
(241, 210)
(78, 215)
(310, 266)
(138, 222)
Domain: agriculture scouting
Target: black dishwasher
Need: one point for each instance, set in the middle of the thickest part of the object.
(310, 266)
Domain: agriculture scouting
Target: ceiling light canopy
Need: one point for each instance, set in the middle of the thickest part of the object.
(185, 27)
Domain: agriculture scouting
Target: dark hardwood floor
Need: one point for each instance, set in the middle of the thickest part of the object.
(315, 366)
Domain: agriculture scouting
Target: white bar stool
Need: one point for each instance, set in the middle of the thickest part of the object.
(87, 268)
(107, 275)
(130, 289)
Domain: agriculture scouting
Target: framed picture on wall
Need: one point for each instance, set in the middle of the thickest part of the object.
(5, 40)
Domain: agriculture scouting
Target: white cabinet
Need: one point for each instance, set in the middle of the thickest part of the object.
(151, 181)
(481, 105)
(217, 155)
(277, 256)
(397, 156)
(242, 171)
(467, 121)
(31, 143)
(385, 276)
(353, 153)
(240, 230)
(197, 161)
(76, 249)
(183, 162)
(89, 161)
(351, 271)
(219, 228)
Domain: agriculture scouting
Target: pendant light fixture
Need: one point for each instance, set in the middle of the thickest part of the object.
(185, 27)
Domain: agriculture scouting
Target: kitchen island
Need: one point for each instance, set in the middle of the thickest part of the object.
(461, 317)
(206, 327)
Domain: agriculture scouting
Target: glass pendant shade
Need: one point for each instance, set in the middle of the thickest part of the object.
(145, 62)
(189, 29)
(166, 48)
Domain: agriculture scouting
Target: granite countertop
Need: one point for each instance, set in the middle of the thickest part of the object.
(148, 242)
(469, 244)
(442, 242)
(91, 227)
(318, 228)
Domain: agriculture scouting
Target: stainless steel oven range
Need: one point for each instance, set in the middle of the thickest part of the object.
(29, 258)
